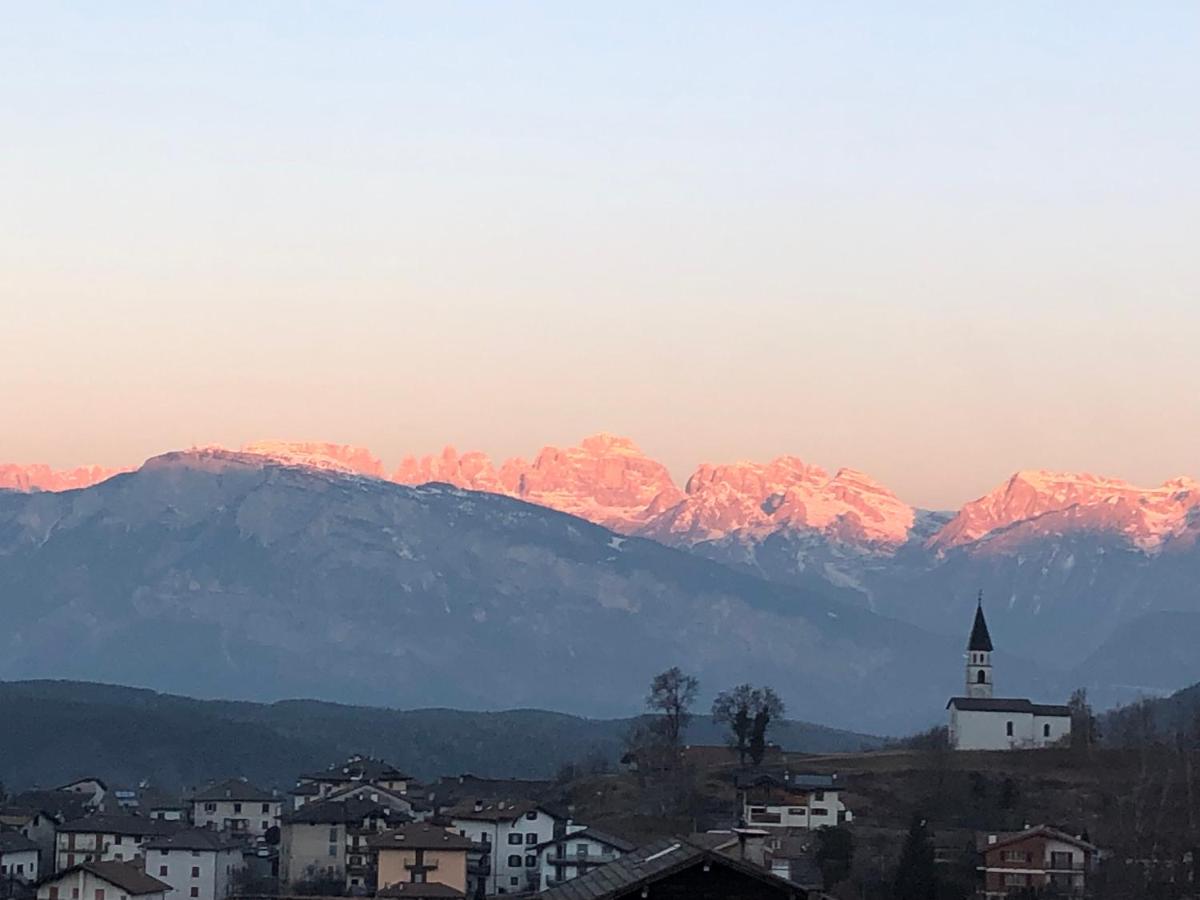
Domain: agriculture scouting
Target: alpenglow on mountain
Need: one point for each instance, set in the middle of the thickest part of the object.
(1069, 563)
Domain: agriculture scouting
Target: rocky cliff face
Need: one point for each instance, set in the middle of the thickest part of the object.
(39, 477)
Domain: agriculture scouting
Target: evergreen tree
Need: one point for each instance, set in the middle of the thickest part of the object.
(916, 875)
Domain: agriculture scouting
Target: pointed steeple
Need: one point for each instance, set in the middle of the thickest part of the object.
(980, 639)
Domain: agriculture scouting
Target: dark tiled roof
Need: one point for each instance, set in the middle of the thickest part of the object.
(237, 789)
(126, 876)
(500, 811)
(61, 804)
(594, 834)
(654, 862)
(360, 768)
(420, 836)
(15, 842)
(1007, 704)
(192, 839)
(1011, 837)
(339, 812)
(307, 789)
(980, 639)
(430, 890)
(117, 823)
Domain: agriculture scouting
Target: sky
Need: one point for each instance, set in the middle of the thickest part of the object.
(938, 242)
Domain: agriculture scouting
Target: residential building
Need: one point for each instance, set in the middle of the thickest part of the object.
(105, 837)
(18, 858)
(980, 721)
(357, 769)
(578, 850)
(511, 832)
(421, 853)
(674, 869)
(93, 790)
(236, 806)
(1035, 859)
(796, 801)
(794, 859)
(328, 840)
(110, 880)
(35, 824)
(196, 863)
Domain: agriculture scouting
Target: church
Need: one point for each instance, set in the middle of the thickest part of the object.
(980, 721)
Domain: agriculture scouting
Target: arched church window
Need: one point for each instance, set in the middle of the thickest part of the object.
(981, 678)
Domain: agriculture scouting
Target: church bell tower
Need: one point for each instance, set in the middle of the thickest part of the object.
(979, 656)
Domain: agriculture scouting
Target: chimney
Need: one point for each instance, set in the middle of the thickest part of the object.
(478, 806)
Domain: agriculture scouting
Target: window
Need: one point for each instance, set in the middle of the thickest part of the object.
(333, 849)
(1014, 856)
(819, 811)
(195, 853)
(484, 837)
(981, 678)
(333, 834)
(514, 862)
(163, 852)
(74, 893)
(531, 815)
(514, 881)
(266, 807)
(118, 838)
(1060, 860)
(194, 892)
(1014, 879)
(237, 807)
(531, 838)
(195, 871)
(1046, 730)
(162, 870)
(530, 861)
(265, 826)
(118, 856)
(514, 838)
(581, 849)
(210, 807)
(1008, 729)
(99, 893)
(53, 893)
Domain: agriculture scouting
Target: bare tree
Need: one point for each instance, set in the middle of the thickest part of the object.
(672, 694)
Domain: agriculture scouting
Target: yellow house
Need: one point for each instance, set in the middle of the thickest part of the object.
(420, 854)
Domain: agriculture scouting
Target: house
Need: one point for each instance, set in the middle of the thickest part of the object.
(35, 824)
(157, 805)
(237, 806)
(578, 850)
(18, 858)
(196, 863)
(1035, 859)
(396, 802)
(105, 837)
(794, 858)
(420, 853)
(980, 721)
(93, 790)
(792, 801)
(511, 832)
(109, 880)
(327, 840)
(674, 869)
(358, 769)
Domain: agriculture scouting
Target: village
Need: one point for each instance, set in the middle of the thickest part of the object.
(1004, 801)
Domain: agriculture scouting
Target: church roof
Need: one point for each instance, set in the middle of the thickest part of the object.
(980, 639)
(1007, 705)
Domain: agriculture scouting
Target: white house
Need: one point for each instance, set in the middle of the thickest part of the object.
(196, 863)
(104, 837)
(236, 806)
(512, 832)
(579, 850)
(102, 881)
(793, 801)
(979, 721)
(18, 857)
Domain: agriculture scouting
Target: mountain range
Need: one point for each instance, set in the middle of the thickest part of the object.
(1085, 578)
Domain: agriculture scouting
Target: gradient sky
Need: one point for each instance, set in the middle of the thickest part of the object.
(936, 242)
